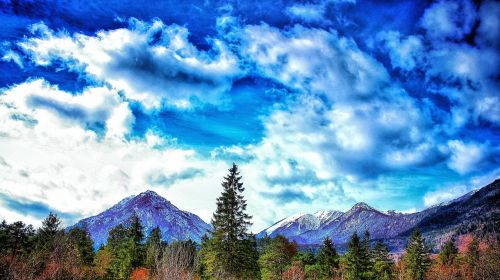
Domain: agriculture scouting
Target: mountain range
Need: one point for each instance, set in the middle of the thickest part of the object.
(153, 210)
(477, 211)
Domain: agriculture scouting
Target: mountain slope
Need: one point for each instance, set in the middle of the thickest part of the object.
(478, 209)
(153, 210)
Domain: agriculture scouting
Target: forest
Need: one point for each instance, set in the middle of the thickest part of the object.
(230, 251)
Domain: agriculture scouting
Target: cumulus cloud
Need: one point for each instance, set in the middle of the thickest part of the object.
(307, 12)
(465, 157)
(405, 53)
(150, 62)
(444, 194)
(449, 19)
(347, 116)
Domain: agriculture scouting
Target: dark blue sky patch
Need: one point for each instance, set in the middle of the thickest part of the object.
(36, 209)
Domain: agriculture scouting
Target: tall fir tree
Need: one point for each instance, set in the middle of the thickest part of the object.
(328, 259)
(235, 249)
(382, 263)
(154, 247)
(80, 239)
(448, 253)
(354, 261)
(366, 263)
(416, 258)
(48, 233)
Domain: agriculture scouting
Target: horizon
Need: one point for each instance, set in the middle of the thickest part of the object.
(319, 105)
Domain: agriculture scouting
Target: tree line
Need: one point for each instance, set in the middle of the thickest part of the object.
(229, 251)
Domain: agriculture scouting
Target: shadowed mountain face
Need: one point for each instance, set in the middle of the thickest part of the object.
(153, 210)
(477, 210)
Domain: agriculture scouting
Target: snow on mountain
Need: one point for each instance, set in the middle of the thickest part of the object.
(153, 210)
(339, 226)
(478, 209)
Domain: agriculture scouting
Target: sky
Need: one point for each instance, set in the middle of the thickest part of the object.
(321, 104)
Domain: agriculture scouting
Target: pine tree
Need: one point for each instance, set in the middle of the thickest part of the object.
(80, 239)
(328, 258)
(448, 253)
(366, 264)
(47, 234)
(472, 253)
(154, 247)
(235, 249)
(354, 259)
(382, 263)
(416, 259)
(136, 234)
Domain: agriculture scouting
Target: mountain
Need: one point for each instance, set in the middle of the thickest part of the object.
(153, 210)
(476, 211)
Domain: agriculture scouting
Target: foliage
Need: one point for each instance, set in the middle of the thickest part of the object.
(416, 259)
(277, 256)
(232, 251)
(328, 259)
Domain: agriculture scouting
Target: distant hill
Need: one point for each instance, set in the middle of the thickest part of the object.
(477, 211)
(153, 210)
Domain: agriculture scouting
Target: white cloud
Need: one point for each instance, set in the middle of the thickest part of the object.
(465, 157)
(405, 53)
(51, 158)
(152, 63)
(449, 19)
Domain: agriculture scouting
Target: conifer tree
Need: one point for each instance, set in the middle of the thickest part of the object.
(154, 247)
(416, 259)
(328, 258)
(472, 253)
(47, 234)
(448, 253)
(382, 263)
(80, 239)
(353, 257)
(366, 264)
(136, 235)
(235, 249)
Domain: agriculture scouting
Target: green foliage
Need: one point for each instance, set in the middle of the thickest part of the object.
(472, 254)
(154, 247)
(16, 238)
(416, 259)
(328, 259)
(276, 257)
(233, 249)
(305, 258)
(80, 239)
(354, 258)
(46, 235)
(382, 263)
(448, 253)
(126, 248)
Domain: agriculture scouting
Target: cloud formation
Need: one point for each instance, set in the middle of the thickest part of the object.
(150, 62)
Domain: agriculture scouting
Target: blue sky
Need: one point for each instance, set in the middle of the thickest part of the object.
(321, 103)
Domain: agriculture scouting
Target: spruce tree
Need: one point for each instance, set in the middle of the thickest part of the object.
(47, 234)
(382, 263)
(235, 249)
(80, 239)
(417, 259)
(448, 253)
(328, 258)
(154, 247)
(353, 257)
(136, 235)
(366, 264)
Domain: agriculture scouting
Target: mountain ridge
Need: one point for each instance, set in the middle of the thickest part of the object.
(153, 210)
(472, 210)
